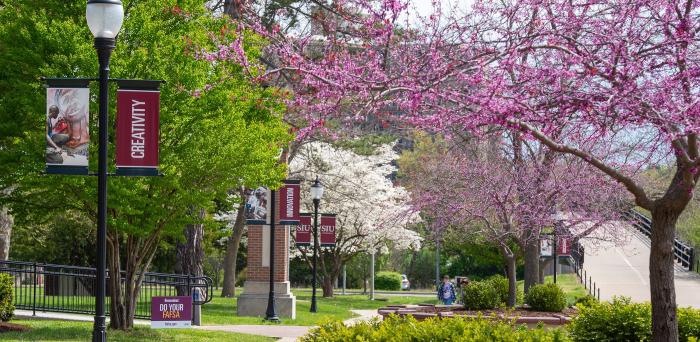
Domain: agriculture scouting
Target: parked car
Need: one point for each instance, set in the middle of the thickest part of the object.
(405, 284)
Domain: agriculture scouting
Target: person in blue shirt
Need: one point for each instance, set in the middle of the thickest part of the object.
(446, 291)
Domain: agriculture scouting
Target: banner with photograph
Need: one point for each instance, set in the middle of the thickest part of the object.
(289, 196)
(257, 206)
(67, 126)
(327, 230)
(137, 128)
(304, 230)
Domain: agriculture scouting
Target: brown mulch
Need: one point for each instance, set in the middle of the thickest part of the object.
(517, 312)
(10, 327)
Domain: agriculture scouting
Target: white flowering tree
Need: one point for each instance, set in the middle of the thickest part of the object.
(373, 215)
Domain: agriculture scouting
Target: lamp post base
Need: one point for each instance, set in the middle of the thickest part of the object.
(253, 301)
(99, 331)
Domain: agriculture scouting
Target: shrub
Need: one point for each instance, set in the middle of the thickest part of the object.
(586, 300)
(546, 297)
(688, 324)
(394, 328)
(390, 281)
(7, 287)
(622, 320)
(500, 283)
(619, 320)
(480, 295)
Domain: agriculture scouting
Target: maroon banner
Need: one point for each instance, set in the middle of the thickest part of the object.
(303, 231)
(327, 230)
(289, 196)
(564, 246)
(137, 128)
(171, 312)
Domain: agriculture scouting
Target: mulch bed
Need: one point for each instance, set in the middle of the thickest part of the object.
(519, 314)
(10, 327)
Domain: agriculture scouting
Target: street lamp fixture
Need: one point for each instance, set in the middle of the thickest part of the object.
(104, 17)
(316, 194)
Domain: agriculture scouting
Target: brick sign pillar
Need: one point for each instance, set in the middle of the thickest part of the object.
(253, 300)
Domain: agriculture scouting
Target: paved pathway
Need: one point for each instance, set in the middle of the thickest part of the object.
(285, 333)
(624, 270)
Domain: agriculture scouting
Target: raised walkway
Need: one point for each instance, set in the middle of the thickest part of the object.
(622, 269)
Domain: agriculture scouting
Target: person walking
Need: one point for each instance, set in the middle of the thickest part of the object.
(446, 291)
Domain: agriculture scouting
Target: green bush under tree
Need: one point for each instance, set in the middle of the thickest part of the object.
(7, 308)
(621, 321)
(546, 297)
(454, 329)
(481, 295)
(388, 281)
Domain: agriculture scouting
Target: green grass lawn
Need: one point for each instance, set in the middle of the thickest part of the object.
(569, 284)
(49, 330)
(222, 311)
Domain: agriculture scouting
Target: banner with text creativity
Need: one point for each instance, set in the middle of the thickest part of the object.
(137, 131)
(327, 230)
(257, 206)
(67, 127)
(289, 196)
(303, 230)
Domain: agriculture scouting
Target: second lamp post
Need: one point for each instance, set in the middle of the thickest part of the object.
(316, 194)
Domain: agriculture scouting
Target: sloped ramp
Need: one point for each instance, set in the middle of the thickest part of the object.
(622, 269)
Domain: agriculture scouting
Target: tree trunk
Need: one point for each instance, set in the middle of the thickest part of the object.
(663, 292)
(190, 254)
(327, 286)
(532, 263)
(512, 281)
(6, 222)
(231, 257)
(117, 311)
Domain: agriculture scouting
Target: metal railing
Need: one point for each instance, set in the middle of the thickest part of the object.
(682, 251)
(587, 281)
(71, 289)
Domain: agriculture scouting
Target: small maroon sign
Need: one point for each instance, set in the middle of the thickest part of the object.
(303, 231)
(289, 196)
(137, 128)
(171, 312)
(327, 230)
(563, 246)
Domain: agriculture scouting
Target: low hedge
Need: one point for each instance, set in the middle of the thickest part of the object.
(621, 320)
(388, 281)
(7, 289)
(546, 297)
(394, 328)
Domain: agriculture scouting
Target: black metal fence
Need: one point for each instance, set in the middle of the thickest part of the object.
(682, 251)
(71, 289)
(587, 280)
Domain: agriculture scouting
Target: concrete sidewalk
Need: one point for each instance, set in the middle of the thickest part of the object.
(623, 270)
(285, 333)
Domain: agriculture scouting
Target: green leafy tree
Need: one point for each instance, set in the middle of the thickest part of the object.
(218, 132)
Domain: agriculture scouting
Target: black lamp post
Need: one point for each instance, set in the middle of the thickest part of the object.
(104, 17)
(316, 194)
(271, 313)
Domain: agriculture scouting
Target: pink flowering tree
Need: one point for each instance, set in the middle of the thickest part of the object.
(507, 201)
(621, 75)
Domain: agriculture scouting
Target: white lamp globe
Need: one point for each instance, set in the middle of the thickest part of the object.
(104, 17)
(316, 190)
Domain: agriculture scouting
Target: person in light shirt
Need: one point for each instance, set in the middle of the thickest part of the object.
(446, 291)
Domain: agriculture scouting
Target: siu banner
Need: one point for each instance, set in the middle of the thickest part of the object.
(327, 230)
(138, 110)
(303, 231)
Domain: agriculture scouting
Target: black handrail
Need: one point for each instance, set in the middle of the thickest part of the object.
(71, 289)
(682, 251)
